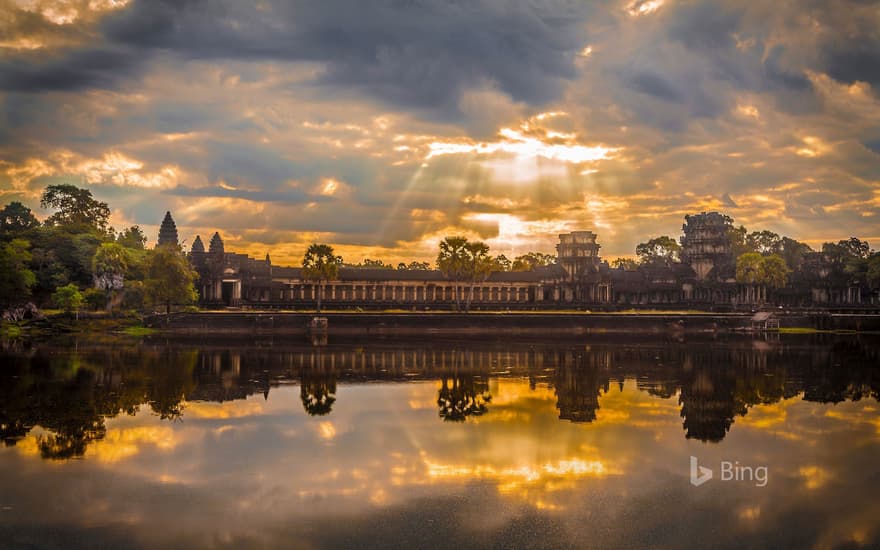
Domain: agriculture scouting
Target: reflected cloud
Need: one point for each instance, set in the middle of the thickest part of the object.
(122, 443)
(229, 409)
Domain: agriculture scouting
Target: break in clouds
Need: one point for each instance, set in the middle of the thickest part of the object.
(381, 127)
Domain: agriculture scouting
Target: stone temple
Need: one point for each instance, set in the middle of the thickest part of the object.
(705, 278)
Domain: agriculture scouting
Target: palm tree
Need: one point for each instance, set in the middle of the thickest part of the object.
(451, 261)
(320, 264)
(478, 267)
(109, 266)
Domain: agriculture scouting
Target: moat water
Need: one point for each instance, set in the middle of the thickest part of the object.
(429, 443)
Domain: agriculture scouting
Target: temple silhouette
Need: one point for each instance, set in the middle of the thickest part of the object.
(704, 278)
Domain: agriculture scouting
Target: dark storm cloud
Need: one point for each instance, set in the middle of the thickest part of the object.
(704, 26)
(655, 85)
(416, 54)
(862, 63)
(101, 67)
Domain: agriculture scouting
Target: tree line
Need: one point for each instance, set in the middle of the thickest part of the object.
(74, 259)
(768, 259)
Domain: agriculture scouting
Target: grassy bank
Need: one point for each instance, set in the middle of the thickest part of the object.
(57, 323)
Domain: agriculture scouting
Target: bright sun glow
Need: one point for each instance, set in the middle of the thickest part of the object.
(521, 146)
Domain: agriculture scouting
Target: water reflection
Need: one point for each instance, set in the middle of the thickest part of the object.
(69, 395)
(401, 443)
(462, 395)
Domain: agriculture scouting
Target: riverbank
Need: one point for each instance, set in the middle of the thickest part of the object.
(340, 323)
(54, 324)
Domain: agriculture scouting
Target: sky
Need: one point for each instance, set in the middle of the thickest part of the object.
(381, 127)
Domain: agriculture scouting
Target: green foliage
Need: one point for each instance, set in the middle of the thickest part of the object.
(62, 255)
(15, 219)
(737, 238)
(840, 253)
(625, 263)
(451, 261)
(68, 298)
(663, 248)
(132, 237)
(76, 207)
(477, 267)
(774, 271)
(764, 242)
(134, 295)
(460, 260)
(754, 269)
(16, 279)
(95, 298)
(320, 264)
(110, 265)
(169, 278)
(451, 257)
(748, 268)
(528, 262)
(793, 252)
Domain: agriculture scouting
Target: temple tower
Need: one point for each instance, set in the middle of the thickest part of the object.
(705, 245)
(197, 247)
(216, 246)
(578, 253)
(168, 231)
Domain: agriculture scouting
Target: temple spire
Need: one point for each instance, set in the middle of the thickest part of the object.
(197, 246)
(216, 246)
(168, 231)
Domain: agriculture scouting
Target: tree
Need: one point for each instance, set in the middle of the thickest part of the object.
(317, 392)
(16, 279)
(873, 272)
(465, 396)
(133, 237)
(531, 260)
(774, 271)
(761, 271)
(625, 263)
(856, 248)
(68, 298)
(477, 267)
(417, 266)
(451, 261)
(16, 218)
(764, 242)
(62, 256)
(371, 264)
(169, 278)
(320, 264)
(109, 267)
(793, 252)
(663, 248)
(749, 268)
(502, 263)
(76, 207)
(95, 298)
(738, 240)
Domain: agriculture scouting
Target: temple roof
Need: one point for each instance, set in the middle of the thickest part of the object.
(348, 274)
